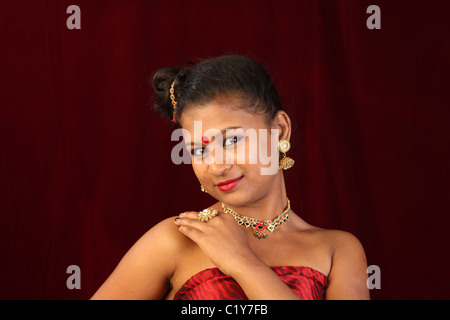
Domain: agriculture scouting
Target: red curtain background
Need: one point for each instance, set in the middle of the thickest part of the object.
(85, 165)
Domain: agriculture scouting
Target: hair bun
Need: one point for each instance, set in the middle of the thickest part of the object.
(162, 80)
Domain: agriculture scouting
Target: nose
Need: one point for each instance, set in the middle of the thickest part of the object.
(219, 169)
(218, 164)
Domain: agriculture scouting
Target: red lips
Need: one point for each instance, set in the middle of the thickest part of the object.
(229, 184)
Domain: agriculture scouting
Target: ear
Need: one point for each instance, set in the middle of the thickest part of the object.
(282, 122)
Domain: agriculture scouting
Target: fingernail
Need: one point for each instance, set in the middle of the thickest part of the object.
(181, 213)
(176, 219)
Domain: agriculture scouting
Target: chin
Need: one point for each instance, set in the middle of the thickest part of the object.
(237, 199)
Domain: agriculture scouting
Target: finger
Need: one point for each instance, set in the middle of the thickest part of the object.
(189, 215)
(189, 220)
(192, 233)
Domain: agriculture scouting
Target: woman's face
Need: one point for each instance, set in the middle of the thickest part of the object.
(232, 151)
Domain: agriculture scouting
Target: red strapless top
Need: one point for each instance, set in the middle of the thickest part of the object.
(212, 284)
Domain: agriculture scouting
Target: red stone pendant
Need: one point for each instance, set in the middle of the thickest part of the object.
(260, 231)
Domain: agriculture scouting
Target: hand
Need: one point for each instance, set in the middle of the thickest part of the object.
(226, 244)
(221, 239)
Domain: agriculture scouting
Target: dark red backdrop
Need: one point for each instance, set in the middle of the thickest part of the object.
(85, 164)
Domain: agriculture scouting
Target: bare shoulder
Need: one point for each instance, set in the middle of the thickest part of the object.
(145, 270)
(165, 234)
(344, 257)
(348, 273)
(341, 240)
(342, 245)
(164, 243)
(333, 239)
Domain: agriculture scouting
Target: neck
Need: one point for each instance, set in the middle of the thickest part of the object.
(267, 207)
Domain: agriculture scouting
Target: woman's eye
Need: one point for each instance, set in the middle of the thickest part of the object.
(198, 152)
(231, 140)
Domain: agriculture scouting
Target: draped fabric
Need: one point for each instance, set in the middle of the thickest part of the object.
(85, 162)
(212, 284)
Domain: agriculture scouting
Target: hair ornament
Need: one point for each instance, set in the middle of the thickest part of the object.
(174, 102)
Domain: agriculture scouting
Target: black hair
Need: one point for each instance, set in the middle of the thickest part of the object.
(199, 84)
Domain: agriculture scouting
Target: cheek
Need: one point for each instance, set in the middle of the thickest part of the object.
(251, 154)
(247, 152)
(259, 149)
(199, 171)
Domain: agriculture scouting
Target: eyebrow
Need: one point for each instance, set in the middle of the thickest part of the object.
(223, 131)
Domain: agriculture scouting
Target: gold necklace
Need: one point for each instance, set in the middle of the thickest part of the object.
(260, 228)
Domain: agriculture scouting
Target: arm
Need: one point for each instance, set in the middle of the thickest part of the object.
(348, 275)
(259, 282)
(145, 270)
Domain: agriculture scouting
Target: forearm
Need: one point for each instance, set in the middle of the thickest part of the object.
(260, 282)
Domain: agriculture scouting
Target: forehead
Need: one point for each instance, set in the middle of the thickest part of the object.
(220, 115)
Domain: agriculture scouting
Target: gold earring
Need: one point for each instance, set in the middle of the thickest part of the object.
(285, 162)
(203, 189)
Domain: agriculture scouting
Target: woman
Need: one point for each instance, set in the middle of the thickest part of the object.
(250, 244)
